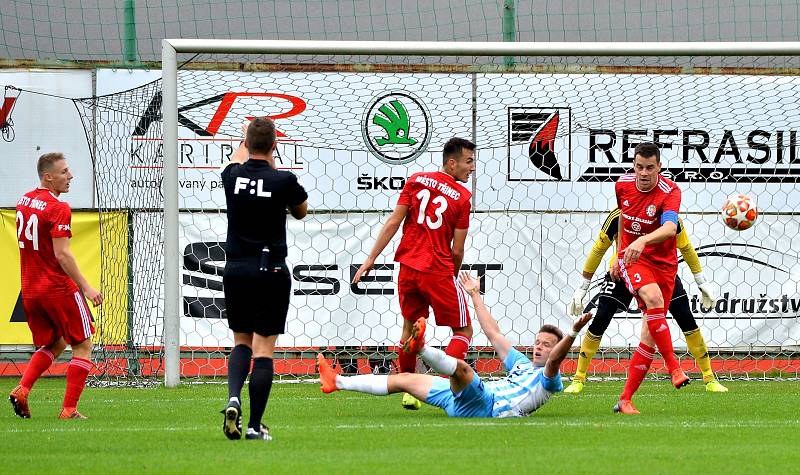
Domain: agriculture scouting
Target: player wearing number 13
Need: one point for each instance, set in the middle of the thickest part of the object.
(51, 287)
(434, 210)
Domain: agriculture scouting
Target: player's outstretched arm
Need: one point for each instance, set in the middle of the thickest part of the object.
(691, 258)
(70, 265)
(241, 154)
(561, 349)
(575, 306)
(388, 231)
(489, 325)
(593, 260)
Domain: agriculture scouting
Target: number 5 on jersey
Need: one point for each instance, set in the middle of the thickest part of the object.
(440, 202)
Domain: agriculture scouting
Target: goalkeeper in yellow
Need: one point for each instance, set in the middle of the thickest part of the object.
(614, 295)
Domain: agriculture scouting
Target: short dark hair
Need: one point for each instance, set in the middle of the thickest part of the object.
(553, 330)
(261, 135)
(647, 150)
(46, 161)
(453, 148)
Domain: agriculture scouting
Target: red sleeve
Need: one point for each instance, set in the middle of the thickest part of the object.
(405, 195)
(673, 200)
(617, 192)
(61, 221)
(463, 220)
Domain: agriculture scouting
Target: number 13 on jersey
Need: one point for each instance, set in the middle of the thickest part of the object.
(440, 204)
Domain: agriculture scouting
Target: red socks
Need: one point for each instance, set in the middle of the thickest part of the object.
(77, 372)
(659, 330)
(406, 362)
(458, 347)
(40, 361)
(640, 364)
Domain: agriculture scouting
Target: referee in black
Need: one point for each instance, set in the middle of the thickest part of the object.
(256, 280)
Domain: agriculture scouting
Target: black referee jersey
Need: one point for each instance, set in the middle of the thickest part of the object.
(257, 196)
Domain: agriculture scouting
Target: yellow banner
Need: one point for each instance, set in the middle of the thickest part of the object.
(109, 319)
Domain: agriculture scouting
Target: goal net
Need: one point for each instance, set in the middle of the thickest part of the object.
(553, 135)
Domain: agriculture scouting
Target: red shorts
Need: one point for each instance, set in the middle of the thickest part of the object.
(639, 274)
(51, 318)
(420, 290)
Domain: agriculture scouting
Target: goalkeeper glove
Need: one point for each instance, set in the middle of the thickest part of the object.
(709, 299)
(575, 307)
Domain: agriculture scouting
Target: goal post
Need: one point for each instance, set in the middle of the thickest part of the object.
(518, 198)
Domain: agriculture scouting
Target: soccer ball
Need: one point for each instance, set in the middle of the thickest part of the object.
(739, 212)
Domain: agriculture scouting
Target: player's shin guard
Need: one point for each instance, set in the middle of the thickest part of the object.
(406, 362)
(640, 364)
(458, 347)
(259, 389)
(589, 347)
(440, 361)
(40, 361)
(77, 372)
(659, 330)
(699, 350)
(238, 369)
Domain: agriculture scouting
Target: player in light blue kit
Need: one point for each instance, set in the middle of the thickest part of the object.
(528, 385)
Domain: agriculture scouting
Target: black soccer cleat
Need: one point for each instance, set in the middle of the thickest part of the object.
(262, 434)
(232, 423)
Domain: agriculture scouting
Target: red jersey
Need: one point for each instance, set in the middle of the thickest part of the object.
(640, 214)
(41, 216)
(437, 206)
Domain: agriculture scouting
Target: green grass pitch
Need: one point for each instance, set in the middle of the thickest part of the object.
(752, 429)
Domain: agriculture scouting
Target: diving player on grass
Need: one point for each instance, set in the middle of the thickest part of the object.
(615, 296)
(528, 385)
(434, 210)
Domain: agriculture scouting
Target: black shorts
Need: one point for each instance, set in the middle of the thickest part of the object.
(256, 301)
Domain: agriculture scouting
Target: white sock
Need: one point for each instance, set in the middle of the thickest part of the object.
(377, 384)
(440, 361)
(234, 399)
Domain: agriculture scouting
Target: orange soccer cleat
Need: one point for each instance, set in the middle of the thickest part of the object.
(417, 339)
(71, 413)
(625, 407)
(327, 375)
(679, 379)
(19, 400)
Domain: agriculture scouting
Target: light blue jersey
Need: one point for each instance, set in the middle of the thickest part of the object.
(524, 390)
